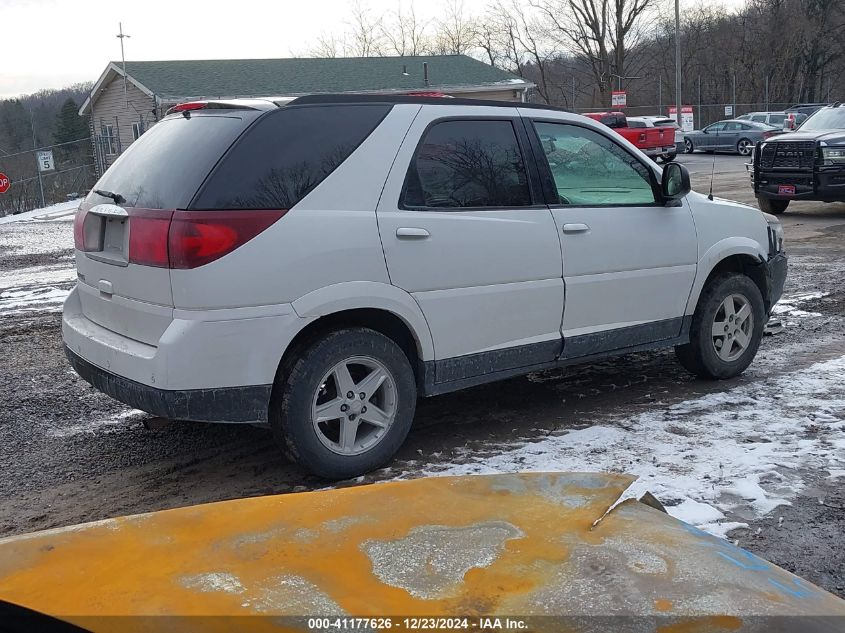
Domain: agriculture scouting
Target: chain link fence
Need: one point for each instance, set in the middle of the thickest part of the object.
(74, 173)
(704, 114)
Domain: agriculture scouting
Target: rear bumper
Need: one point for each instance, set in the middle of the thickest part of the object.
(212, 365)
(226, 404)
(660, 151)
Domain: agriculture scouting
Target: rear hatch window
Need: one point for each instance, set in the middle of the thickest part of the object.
(166, 166)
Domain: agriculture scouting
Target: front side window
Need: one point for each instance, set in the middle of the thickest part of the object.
(590, 169)
(777, 119)
(467, 164)
(758, 118)
(716, 127)
(734, 127)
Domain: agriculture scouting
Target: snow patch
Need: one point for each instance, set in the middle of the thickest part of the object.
(60, 211)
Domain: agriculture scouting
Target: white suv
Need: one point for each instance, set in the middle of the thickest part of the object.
(319, 264)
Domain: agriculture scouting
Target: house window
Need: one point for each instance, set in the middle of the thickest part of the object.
(109, 144)
(136, 131)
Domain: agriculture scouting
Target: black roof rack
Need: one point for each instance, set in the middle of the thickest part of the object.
(321, 99)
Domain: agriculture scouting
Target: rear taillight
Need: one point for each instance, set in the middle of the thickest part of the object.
(642, 137)
(148, 229)
(188, 239)
(78, 226)
(199, 237)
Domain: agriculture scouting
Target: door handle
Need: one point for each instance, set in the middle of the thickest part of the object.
(575, 228)
(410, 233)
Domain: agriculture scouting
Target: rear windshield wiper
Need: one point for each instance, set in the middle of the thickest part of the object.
(108, 194)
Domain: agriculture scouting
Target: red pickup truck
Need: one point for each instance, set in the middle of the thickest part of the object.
(653, 141)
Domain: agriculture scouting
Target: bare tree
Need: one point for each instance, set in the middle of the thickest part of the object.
(599, 31)
(404, 33)
(455, 32)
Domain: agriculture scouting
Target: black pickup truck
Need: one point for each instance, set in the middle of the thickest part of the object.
(807, 164)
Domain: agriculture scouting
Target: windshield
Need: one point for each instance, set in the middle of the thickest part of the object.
(827, 119)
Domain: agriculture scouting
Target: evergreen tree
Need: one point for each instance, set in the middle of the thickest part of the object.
(69, 125)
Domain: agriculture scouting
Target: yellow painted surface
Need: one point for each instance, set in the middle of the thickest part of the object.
(510, 544)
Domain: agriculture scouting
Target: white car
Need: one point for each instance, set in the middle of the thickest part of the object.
(319, 265)
(662, 121)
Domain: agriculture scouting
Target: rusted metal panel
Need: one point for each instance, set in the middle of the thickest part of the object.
(524, 544)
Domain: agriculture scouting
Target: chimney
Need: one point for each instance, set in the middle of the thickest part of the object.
(425, 73)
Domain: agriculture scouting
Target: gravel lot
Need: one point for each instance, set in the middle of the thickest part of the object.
(69, 454)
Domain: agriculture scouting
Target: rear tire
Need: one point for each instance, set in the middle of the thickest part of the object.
(668, 158)
(689, 148)
(775, 207)
(726, 328)
(326, 431)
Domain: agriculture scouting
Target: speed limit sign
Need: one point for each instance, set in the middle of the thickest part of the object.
(45, 160)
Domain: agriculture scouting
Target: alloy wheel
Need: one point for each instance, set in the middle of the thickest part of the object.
(733, 327)
(354, 406)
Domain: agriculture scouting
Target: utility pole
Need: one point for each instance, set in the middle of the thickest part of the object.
(37, 164)
(121, 36)
(678, 97)
(734, 97)
(767, 93)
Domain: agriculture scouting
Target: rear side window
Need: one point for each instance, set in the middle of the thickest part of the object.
(286, 154)
(467, 164)
(164, 168)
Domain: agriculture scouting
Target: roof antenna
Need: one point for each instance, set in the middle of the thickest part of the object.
(712, 171)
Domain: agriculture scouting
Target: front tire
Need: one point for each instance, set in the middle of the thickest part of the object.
(726, 328)
(775, 207)
(344, 404)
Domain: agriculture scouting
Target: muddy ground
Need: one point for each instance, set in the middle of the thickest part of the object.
(70, 454)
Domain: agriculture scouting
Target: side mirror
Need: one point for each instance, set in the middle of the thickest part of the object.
(675, 183)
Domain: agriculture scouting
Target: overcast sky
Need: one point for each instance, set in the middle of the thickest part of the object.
(53, 43)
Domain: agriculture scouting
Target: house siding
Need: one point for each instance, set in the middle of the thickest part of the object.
(110, 108)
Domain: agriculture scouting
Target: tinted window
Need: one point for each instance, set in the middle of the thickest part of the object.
(636, 123)
(716, 127)
(827, 119)
(164, 168)
(733, 127)
(286, 154)
(588, 168)
(467, 164)
(777, 119)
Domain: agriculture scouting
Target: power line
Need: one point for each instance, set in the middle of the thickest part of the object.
(38, 149)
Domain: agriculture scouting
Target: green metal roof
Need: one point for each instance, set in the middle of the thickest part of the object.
(280, 77)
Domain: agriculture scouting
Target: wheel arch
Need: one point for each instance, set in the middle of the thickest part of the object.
(377, 306)
(740, 255)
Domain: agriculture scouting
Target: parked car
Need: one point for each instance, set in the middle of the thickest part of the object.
(808, 164)
(806, 108)
(732, 135)
(663, 123)
(320, 265)
(784, 120)
(652, 141)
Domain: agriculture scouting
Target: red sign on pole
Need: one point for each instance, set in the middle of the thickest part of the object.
(5, 183)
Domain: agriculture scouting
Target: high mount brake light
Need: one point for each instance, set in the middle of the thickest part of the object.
(185, 107)
(189, 239)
